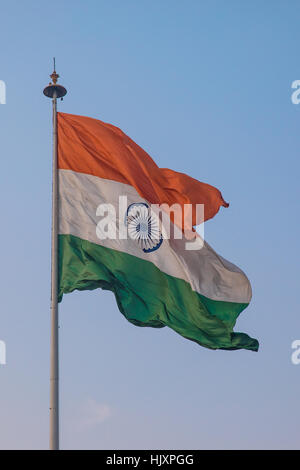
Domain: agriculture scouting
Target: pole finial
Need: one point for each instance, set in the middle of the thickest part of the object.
(54, 76)
(53, 90)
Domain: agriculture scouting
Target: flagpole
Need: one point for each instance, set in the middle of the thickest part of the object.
(54, 91)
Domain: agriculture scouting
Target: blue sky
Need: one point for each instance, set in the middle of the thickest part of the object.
(205, 88)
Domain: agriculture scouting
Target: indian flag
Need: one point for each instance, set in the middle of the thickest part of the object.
(156, 280)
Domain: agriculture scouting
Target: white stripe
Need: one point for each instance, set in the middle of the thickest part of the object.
(208, 273)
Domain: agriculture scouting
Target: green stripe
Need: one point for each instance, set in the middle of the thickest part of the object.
(148, 297)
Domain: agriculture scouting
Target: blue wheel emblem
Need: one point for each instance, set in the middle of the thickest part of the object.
(143, 226)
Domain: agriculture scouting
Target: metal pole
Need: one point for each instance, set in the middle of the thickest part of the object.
(54, 358)
(54, 91)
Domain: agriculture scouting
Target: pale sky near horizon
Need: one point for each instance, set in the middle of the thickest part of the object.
(205, 88)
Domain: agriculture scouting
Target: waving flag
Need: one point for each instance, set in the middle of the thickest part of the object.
(157, 281)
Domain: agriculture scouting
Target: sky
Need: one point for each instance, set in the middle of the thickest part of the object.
(204, 86)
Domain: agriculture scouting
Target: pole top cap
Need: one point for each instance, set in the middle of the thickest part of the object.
(53, 90)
